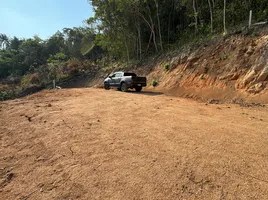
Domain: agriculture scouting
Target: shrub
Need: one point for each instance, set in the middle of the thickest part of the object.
(63, 76)
(202, 77)
(59, 57)
(29, 79)
(34, 78)
(107, 69)
(74, 66)
(154, 83)
(166, 67)
(206, 69)
(87, 64)
(224, 57)
(43, 73)
(25, 80)
(8, 94)
(14, 79)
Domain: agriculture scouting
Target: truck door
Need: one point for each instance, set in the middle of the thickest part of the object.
(117, 79)
(112, 80)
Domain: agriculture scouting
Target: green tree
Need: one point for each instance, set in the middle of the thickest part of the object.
(4, 41)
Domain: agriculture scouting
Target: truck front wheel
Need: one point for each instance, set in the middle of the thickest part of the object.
(124, 87)
(106, 86)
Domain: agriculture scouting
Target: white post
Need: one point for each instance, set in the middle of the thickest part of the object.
(250, 18)
(54, 84)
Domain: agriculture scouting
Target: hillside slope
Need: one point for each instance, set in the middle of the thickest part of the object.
(224, 69)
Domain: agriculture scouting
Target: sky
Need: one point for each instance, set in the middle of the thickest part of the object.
(26, 18)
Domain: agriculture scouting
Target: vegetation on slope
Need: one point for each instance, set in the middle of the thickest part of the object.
(134, 29)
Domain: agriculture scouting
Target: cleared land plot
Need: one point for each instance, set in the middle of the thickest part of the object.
(96, 144)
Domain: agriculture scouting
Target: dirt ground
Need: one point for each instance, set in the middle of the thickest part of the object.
(96, 144)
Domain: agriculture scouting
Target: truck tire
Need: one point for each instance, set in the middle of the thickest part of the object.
(106, 86)
(138, 89)
(124, 87)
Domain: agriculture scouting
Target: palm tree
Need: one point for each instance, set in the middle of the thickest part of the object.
(4, 41)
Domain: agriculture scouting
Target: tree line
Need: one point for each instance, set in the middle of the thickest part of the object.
(132, 29)
(129, 30)
(21, 56)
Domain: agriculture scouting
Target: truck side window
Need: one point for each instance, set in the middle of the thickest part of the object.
(118, 75)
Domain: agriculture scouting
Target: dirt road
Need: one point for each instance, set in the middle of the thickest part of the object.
(96, 144)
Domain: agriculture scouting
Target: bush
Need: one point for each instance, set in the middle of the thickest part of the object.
(206, 69)
(87, 64)
(73, 66)
(13, 79)
(224, 57)
(30, 79)
(154, 83)
(202, 77)
(43, 73)
(25, 80)
(166, 67)
(59, 57)
(8, 94)
(107, 69)
(34, 78)
(63, 76)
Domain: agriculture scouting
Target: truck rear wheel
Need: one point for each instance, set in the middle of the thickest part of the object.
(124, 87)
(138, 89)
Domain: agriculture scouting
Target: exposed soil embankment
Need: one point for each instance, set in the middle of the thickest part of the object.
(224, 69)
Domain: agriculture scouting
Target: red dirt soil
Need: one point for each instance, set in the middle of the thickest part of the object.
(96, 144)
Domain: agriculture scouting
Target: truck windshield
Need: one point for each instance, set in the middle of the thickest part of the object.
(130, 74)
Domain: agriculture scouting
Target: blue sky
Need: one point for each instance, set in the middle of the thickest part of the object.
(26, 18)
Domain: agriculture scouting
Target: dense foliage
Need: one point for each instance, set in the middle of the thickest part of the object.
(21, 56)
(131, 29)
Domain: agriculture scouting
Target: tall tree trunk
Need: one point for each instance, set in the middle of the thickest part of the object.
(224, 17)
(155, 45)
(139, 33)
(126, 46)
(137, 47)
(195, 17)
(125, 39)
(169, 19)
(139, 52)
(159, 25)
(149, 41)
(152, 31)
(211, 16)
(213, 3)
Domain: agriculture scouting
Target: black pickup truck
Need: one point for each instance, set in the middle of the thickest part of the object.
(125, 80)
